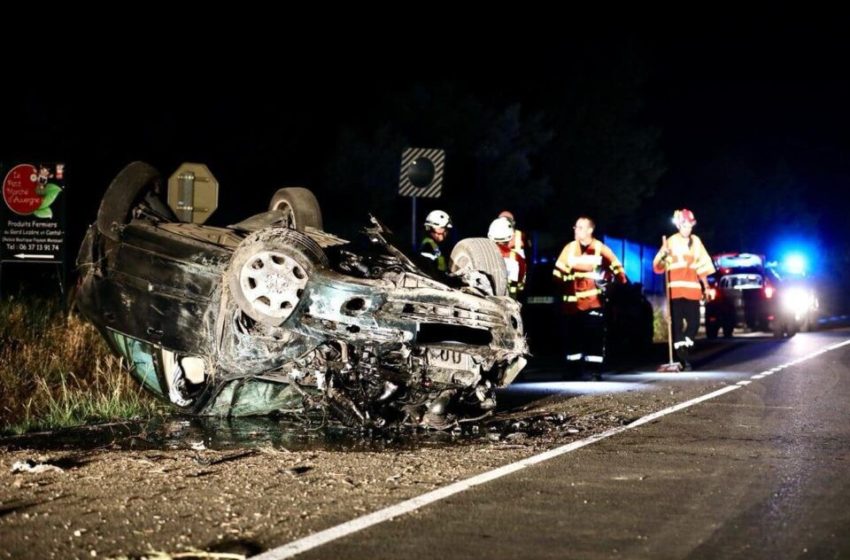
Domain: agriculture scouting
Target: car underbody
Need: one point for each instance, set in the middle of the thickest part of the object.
(262, 317)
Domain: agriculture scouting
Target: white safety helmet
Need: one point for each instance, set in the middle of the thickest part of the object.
(437, 219)
(501, 230)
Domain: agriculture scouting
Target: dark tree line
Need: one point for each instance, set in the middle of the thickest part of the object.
(583, 148)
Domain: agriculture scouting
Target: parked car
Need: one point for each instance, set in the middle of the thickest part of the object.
(275, 314)
(799, 296)
(745, 293)
(628, 317)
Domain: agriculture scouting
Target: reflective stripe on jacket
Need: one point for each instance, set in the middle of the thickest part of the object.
(518, 243)
(430, 250)
(579, 267)
(689, 265)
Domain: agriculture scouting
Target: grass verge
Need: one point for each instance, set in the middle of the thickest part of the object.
(56, 371)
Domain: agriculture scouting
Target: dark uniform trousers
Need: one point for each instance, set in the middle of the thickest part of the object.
(684, 314)
(585, 340)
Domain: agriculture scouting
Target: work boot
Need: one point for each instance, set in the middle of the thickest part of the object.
(572, 370)
(682, 353)
(595, 371)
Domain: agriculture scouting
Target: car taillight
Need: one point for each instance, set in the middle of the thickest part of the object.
(768, 291)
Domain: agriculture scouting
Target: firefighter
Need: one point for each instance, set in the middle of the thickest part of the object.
(582, 270)
(431, 257)
(502, 232)
(520, 242)
(685, 258)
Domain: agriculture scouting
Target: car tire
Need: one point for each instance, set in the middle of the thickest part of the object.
(728, 327)
(123, 193)
(711, 331)
(300, 207)
(809, 324)
(269, 271)
(480, 253)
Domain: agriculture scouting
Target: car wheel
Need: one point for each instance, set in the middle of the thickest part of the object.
(269, 271)
(125, 190)
(481, 254)
(300, 207)
(728, 328)
(711, 331)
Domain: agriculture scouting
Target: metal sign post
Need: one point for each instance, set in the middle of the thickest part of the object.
(413, 222)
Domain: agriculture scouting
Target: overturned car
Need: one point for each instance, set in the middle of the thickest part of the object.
(275, 315)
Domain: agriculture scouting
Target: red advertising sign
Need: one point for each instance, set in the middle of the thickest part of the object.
(32, 215)
(19, 189)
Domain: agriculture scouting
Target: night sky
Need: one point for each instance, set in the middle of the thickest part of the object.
(744, 114)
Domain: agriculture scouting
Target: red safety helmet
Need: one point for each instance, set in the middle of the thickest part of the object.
(683, 216)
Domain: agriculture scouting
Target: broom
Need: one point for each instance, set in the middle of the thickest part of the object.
(670, 366)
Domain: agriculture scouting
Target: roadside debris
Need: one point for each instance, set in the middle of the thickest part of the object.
(189, 555)
(30, 466)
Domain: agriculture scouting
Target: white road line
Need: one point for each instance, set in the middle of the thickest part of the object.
(358, 524)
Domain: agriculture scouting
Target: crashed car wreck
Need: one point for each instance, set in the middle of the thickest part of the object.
(275, 315)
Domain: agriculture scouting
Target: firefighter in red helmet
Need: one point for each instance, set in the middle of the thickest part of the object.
(685, 259)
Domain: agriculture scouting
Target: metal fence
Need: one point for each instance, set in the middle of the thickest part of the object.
(637, 262)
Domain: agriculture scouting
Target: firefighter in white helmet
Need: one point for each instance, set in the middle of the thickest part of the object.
(685, 259)
(502, 232)
(520, 243)
(431, 257)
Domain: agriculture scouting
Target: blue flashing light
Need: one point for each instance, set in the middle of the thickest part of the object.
(795, 263)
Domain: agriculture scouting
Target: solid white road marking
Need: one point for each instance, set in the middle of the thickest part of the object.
(358, 524)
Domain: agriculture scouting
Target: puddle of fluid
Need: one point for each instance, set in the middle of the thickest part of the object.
(232, 433)
(279, 433)
(292, 433)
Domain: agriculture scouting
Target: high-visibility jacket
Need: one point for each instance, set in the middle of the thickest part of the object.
(516, 264)
(432, 258)
(519, 243)
(579, 267)
(689, 265)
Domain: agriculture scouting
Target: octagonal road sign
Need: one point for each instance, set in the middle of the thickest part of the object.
(193, 193)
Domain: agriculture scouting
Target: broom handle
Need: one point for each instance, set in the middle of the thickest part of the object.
(669, 304)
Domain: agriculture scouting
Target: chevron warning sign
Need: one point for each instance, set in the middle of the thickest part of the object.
(422, 172)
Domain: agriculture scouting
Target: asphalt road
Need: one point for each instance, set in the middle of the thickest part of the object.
(758, 472)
